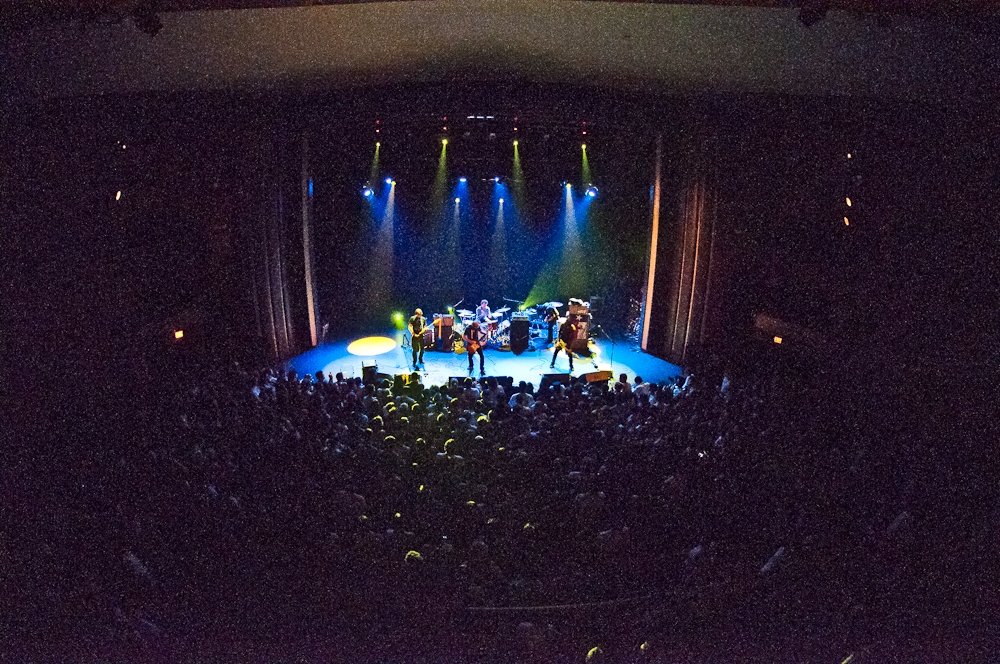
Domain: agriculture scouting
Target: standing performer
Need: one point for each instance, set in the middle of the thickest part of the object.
(551, 318)
(416, 327)
(567, 335)
(473, 338)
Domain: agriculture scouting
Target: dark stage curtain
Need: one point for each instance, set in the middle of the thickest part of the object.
(274, 241)
(689, 288)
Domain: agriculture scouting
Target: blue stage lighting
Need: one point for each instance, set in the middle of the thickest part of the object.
(592, 191)
(462, 179)
(497, 179)
(388, 180)
(367, 192)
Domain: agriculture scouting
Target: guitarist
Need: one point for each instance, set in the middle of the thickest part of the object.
(473, 338)
(567, 334)
(416, 327)
(551, 318)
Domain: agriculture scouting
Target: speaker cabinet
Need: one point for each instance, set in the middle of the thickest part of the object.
(582, 322)
(519, 335)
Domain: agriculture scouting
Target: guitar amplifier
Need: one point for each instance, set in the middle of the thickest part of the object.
(443, 326)
(582, 322)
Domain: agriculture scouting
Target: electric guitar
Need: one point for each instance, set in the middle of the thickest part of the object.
(473, 345)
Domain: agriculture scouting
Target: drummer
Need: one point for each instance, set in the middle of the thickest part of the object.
(483, 313)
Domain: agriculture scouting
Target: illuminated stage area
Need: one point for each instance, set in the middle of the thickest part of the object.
(344, 356)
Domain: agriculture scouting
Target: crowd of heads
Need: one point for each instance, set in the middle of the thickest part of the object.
(272, 496)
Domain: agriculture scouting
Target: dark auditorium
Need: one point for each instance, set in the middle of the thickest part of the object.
(501, 331)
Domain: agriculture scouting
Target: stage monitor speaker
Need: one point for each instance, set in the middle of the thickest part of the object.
(549, 379)
(597, 376)
(519, 335)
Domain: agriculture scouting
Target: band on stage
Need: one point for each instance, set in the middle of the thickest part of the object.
(474, 331)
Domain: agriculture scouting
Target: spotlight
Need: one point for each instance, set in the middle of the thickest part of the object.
(515, 142)
(178, 334)
(388, 180)
(501, 201)
(848, 201)
(462, 179)
(118, 196)
(592, 191)
(444, 141)
(457, 201)
(583, 147)
(497, 179)
(569, 186)
(377, 144)
(367, 192)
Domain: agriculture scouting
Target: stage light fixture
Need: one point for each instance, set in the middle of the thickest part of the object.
(501, 201)
(847, 222)
(592, 191)
(583, 146)
(388, 180)
(377, 144)
(497, 179)
(848, 201)
(457, 201)
(777, 340)
(462, 179)
(179, 334)
(444, 141)
(367, 192)
(515, 140)
(118, 195)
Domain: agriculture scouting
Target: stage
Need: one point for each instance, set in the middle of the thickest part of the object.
(617, 356)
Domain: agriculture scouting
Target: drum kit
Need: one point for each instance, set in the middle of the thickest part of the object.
(495, 330)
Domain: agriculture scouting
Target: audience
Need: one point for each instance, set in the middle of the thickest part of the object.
(331, 494)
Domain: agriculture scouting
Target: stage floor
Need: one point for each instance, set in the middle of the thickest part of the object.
(618, 356)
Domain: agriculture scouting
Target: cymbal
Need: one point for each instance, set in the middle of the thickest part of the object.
(552, 304)
(502, 310)
(463, 312)
(531, 312)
